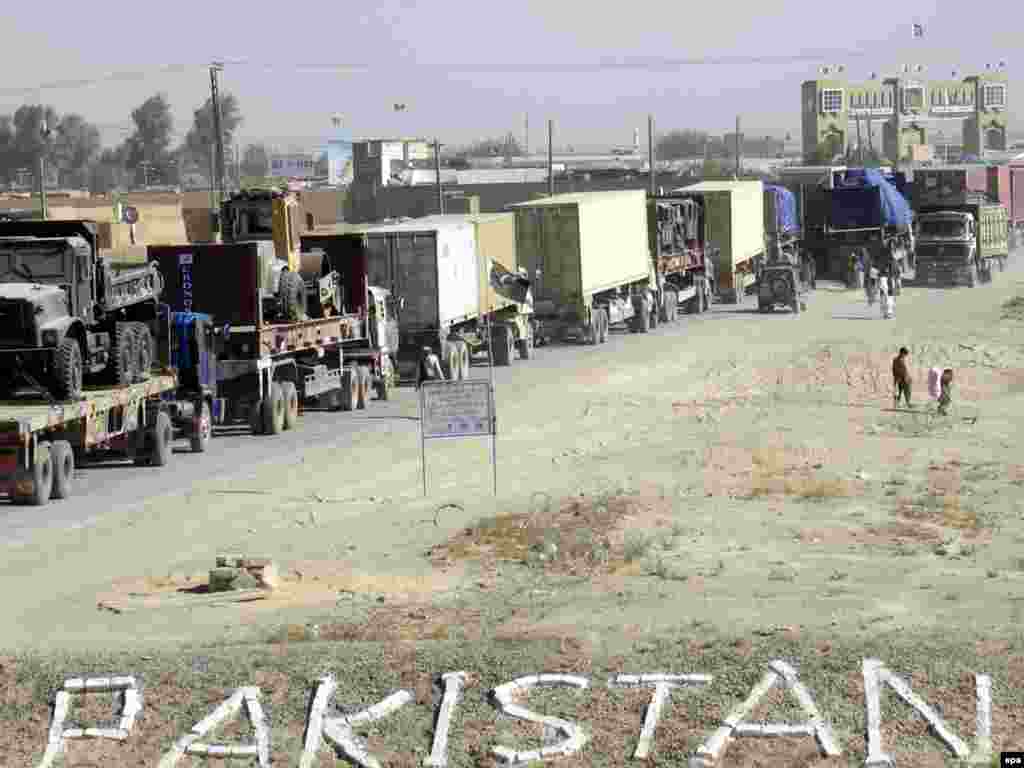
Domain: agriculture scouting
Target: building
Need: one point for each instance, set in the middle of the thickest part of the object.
(376, 162)
(293, 166)
(903, 106)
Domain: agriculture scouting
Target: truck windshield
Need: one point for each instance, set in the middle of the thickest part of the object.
(942, 228)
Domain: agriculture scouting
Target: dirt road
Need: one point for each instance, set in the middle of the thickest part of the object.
(733, 474)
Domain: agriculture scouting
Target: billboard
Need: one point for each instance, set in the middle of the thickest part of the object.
(298, 166)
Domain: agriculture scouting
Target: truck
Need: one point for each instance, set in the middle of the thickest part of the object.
(67, 315)
(41, 442)
(269, 363)
(588, 256)
(786, 275)
(956, 183)
(684, 263)
(269, 215)
(865, 212)
(451, 292)
(958, 244)
(734, 224)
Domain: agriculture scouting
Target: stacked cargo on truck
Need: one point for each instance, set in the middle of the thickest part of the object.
(683, 263)
(590, 262)
(786, 274)
(733, 230)
(270, 363)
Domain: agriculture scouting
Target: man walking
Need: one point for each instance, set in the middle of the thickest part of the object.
(946, 393)
(901, 377)
(429, 368)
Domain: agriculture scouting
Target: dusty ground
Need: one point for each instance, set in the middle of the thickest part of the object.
(723, 492)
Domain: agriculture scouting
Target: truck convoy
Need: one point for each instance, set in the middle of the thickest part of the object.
(684, 264)
(66, 315)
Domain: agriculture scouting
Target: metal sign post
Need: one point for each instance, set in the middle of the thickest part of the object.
(450, 409)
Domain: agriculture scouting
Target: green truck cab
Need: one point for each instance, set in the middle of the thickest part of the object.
(960, 244)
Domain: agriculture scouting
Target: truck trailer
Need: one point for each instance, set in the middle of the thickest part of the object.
(269, 364)
(451, 292)
(41, 441)
(952, 185)
(734, 227)
(588, 256)
(684, 262)
(958, 244)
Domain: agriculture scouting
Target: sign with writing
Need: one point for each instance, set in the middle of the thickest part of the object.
(185, 267)
(457, 409)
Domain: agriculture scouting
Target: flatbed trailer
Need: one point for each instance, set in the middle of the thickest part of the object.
(42, 440)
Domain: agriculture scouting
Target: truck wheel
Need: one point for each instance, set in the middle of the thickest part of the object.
(501, 345)
(256, 417)
(603, 326)
(671, 306)
(122, 356)
(364, 387)
(332, 400)
(69, 370)
(42, 482)
(796, 307)
(63, 459)
(202, 430)
(594, 329)
(349, 389)
(524, 348)
(291, 404)
(383, 388)
(464, 363)
(654, 318)
(972, 276)
(157, 443)
(143, 343)
(292, 291)
(273, 410)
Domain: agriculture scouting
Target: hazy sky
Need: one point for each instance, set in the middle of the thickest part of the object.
(471, 69)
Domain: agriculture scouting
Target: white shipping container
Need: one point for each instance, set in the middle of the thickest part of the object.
(734, 218)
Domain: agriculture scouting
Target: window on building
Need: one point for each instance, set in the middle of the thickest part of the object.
(372, 149)
(832, 100)
(913, 97)
(995, 95)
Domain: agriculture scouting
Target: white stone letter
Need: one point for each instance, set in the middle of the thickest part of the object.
(663, 685)
(876, 673)
(190, 743)
(734, 725)
(453, 683)
(573, 736)
(339, 731)
(121, 685)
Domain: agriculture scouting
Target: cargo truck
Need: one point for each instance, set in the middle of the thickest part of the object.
(269, 364)
(958, 244)
(865, 212)
(786, 275)
(734, 224)
(951, 185)
(683, 261)
(588, 256)
(451, 292)
(41, 441)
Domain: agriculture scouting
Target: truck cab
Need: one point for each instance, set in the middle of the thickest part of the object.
(947, 248)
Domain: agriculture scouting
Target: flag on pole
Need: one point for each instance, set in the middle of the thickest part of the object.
(918, 30)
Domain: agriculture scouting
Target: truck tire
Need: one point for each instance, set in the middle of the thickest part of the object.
(42, 483)
(63, 459)
(202, 429)
(69, 369)
(671, 306)
(292, 291)
(273, 410)
(972, 276)
(291, 404)
(363, 394)
(122, 355)
(464, 362)
(256, 417)
(349, 389)
(501, 345)
(796, 306)
(654, 316)
(383, 387)
(593, 335)
(332, 400)
(157, 443)
(143, 345)
(603, 326)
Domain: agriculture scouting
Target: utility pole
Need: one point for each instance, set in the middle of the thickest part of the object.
(218, 132)
(551, 158)
(526, 136)
(437, 170)
(44, 132)
(650, 152)
(739, 159)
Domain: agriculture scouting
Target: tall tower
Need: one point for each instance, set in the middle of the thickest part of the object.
(823, 116)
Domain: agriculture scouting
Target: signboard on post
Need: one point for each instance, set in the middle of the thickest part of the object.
(457, 409)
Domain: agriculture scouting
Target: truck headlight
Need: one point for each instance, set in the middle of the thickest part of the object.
(50, 338)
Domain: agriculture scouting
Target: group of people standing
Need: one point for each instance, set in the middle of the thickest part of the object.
(876, 283)
(940, 382)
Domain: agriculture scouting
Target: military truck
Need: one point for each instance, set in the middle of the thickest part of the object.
(957, 245)
(781, 281)
(67, 316)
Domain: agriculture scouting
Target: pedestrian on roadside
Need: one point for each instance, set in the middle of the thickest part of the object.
(883, 295)
(851, 270)
(946, 391)
(429, 368)
(860, 270)
(901, 377)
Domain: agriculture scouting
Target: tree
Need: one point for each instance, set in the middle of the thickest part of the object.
(8, 166)
(200, 139)
(255, 160)
(108, 172)
(151, 140)
(29, 142)
(76, 145)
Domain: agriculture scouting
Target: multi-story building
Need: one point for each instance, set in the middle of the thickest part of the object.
(903, 105)
(377, 162)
